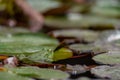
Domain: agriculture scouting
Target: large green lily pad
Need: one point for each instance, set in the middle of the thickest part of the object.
(44, 5)
(86, 48)
(25, 43)
(80, 21)
(106, 3)
(111, 72)
(11, 76)
(86, 35)
(7, 31)
(109, 39)
(40, 73)
(106, 12)
(116, 43)
(112, 58)
(109, 8)
(48, 55)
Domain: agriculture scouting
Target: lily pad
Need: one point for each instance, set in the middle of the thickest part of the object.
(25, 43)
(87, 48)
(105, 3)
(110, 12)
(40, 73)
(62, 53)
(86, 35)
(45, 55)
(109, 39)
(117, 43)
(81, 22)
(106, 8)
(48, 55)
(7, 31)
(11, 76)
(111, 72)
(111, 58)
(76, 69)
(44, 5)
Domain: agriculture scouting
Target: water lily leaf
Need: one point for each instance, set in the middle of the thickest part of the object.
(11, 76)
(110, 39)
(40, 73)
(86, 35)
(48, 55)
(116, 43)
(106, 12)
(25, 43)
(8, 31)
(80, 21)
(62, 53)
(87, 48)
(107, 4)
(111, 72)
(108, 58)
(45, 55)
(44, 5)
(106, 8)
(76, 69)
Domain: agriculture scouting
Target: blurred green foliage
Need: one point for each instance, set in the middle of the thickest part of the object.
(7, 6)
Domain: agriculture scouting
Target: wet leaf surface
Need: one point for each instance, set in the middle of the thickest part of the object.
(110, 72)
(87, 48)
(86, 35)
(40, 73)
(111, 58)
(43, 6)
(11, 76)
(81, 22)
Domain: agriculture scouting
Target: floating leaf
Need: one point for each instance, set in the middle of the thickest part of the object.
(40, 73)
(109, 40)
(106, 12)
(111, 72)
(25, 43)
(106, 3)
(87, 48)
(45, 55)
(87, 21)
(8, 30)
(62, 53)
(108, 58)
(76, 69)
(49, 55)
(44, 5)
(11, 76)
(107, 8)
(86, 35)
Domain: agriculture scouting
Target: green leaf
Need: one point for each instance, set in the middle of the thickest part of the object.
(48, 55)
(86, 35)
(110, 12)
(11, 76)
(62, 53)
(44, 5)
(111, 72)
(5, 30)
(81, 22)
(86, 48)
(25, 43)
(106, 3)
(40, 73)
(108, 58)
(45, 55)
